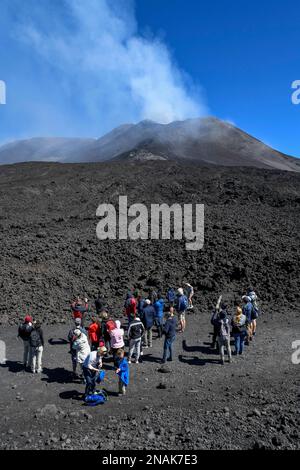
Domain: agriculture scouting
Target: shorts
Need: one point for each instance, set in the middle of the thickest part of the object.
(181, 316)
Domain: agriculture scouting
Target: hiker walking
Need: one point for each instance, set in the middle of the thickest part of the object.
(91, 368)
(181, 307)
(135, 333)
(223, 333)
(24, 332)
(36, 342)
(71, 339)
(239, 330)
(148, 317)
(169, 331)
(122, 371)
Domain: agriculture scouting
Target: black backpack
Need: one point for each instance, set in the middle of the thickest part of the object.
(24, 331)
(35, 339)
(136, 330)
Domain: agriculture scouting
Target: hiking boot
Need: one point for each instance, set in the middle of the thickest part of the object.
(222, 362)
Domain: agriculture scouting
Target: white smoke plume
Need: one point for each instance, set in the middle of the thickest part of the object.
(119, 76)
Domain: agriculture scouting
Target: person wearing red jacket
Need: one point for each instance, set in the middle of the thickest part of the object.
(130, 307)
(94, 333)
(79, 309)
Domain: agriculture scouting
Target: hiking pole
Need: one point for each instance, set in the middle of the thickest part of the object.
(218, 303)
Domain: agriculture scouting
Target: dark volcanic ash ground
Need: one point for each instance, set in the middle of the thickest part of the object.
(50, 252)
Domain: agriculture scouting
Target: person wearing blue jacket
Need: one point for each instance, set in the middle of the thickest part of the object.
(171, 297)
(159, 306)
(247, 311)
(181, 307)
(147, 317)
(169, 331)
(122, 371)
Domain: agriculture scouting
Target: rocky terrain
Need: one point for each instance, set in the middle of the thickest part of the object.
(50, 252)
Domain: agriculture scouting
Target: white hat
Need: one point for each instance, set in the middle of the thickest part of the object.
(77, 333)
(180, 291)
(147, 301)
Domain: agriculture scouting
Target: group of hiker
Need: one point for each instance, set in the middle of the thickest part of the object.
(33, 339)
(104, 337)
(242, 325)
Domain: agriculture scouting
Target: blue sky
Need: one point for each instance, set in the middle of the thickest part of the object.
(82, 67)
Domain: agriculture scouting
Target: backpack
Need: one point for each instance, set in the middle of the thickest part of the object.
(136, 331)
(35, 339)
(183, 303)
(24, 331)
(97, 398)
(224, 329)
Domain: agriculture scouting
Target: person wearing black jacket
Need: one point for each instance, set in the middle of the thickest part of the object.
(36, 341)
(24, 333)
(135, 333)
(100, 303)
(169, 330)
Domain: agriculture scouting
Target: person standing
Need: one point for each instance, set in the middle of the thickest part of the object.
(239, 330)
(24, 332)
(36, 341)
(159, 306)
(94, 332)
(122, 371)
(255, 309)
(71, 339)
(79, 309)
(223, 334)
(135, 333)
(171, 297)
(100, 303)
(169, 330)
(181, 307)
(247, 311)
(130, 307)
(81, 346)
(190, 295)
(148, 321)
(116, 340)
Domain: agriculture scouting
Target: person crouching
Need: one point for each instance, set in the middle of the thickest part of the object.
(91, 369)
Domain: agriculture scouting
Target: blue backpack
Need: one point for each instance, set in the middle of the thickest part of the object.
(97, 398)
(183, 303)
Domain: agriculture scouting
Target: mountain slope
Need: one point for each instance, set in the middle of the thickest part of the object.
(206, 141)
